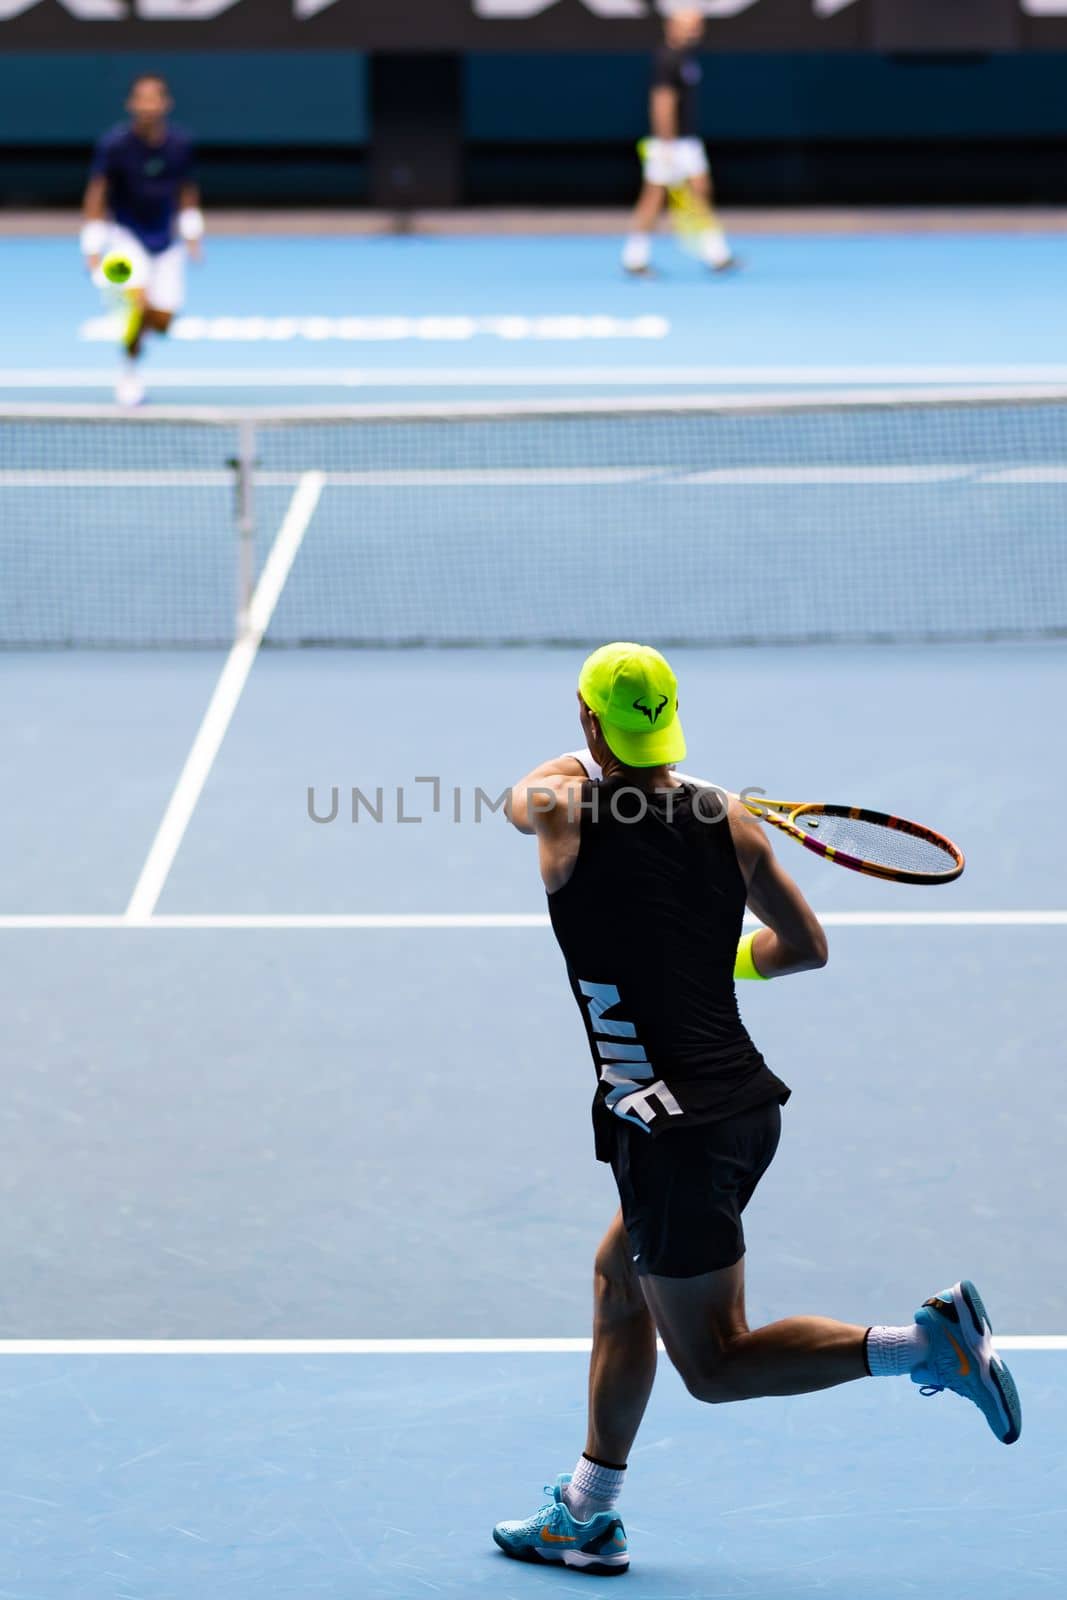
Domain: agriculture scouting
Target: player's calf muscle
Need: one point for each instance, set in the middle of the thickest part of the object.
(617, 1293)
(617, 1299)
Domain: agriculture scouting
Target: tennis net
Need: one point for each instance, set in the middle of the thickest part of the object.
(714, 521)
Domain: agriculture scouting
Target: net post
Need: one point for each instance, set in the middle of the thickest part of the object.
(244, 465)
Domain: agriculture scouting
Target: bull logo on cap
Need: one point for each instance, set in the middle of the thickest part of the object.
(651, 712)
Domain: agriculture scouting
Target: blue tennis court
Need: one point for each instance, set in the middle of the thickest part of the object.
(379, 1475)
(301, 1198)
(244, 1119)
(285, 320)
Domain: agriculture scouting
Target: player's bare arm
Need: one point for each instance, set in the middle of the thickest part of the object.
(94, 203)
(189, 207)
(557, 821)
(522, 801)
(792, 939)
(663, 112)
(94, 210)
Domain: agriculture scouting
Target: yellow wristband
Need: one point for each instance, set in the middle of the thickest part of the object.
(744, 965)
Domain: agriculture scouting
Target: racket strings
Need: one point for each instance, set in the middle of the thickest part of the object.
(880, 845)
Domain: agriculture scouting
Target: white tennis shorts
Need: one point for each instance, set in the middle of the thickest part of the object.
(674, 161)
(162, 276)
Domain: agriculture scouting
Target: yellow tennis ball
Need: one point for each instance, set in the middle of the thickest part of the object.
(117, 268)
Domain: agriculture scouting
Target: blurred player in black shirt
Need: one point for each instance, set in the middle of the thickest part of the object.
(674, 155)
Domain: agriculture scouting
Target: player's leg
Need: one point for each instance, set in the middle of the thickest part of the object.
(948, 1346)
(578, 1526)
(129, 390)
(637, 251)
(157, 293)
(166, 288)
(650, 204)
(700, 1314)
(705, 1333)
(622, 1367)
(136, 301)
(684, 1196)
(656, 174)
(715, 250)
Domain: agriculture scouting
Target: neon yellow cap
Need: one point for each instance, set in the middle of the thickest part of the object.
(634, 695)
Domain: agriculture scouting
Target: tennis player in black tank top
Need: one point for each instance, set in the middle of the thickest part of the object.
(648, 877)
(634, 926)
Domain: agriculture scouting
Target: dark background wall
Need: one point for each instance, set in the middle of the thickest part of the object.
(559, 128)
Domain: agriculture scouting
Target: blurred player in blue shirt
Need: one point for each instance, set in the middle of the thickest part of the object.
(142, 200)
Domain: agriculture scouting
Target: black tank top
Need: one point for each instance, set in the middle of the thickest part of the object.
(649, 923)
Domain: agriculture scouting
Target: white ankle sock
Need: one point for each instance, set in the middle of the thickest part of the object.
(896, 1352)
(637, 252)
(593, 1487)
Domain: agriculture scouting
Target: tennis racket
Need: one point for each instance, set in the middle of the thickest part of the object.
(691, 217)
(123, 304)
(865, 841)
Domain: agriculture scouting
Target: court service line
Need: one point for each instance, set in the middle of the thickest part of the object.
(435, 920)
(372, 1347)
(224, 701)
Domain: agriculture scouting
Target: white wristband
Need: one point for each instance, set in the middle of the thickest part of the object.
(94, 237)
(584, 759)
(191, 224)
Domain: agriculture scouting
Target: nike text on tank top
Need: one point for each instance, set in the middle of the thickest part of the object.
(649, 923)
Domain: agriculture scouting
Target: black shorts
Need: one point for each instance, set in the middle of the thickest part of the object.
(683, 1192)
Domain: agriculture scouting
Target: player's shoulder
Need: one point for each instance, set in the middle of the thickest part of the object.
(748, 834)
(179, 138)
(561, 811)
(711, 803)
(115, 137)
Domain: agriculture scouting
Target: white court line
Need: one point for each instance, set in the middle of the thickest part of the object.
(414, 478)
(759, 401)
(534, 477)
(540, 377)
(373, 1347)
(285, 922)
(86, 478)
(223, 703)
(947, 472)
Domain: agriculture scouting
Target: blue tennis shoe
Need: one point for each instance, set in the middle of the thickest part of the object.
(597, 1547)
(961, 1358)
